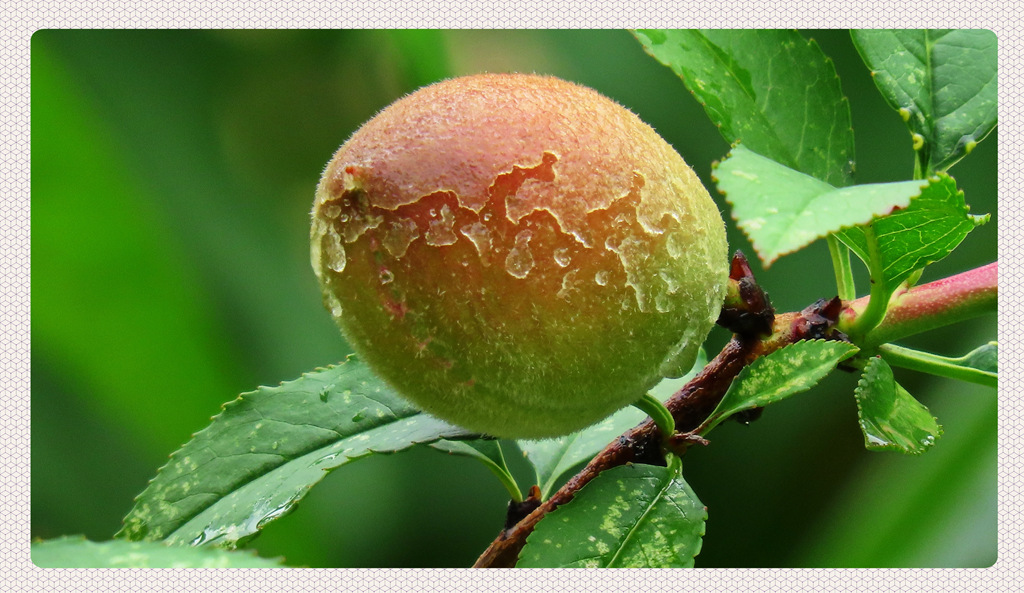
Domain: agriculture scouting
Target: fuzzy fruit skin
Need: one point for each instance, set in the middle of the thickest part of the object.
(517, 254)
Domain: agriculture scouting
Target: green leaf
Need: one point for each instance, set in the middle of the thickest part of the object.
(782, 210)
(943, 83)
(772, 378)
(488, 452)
(927, 230)
(552, 458)
(631, 516)
(891, 419)
(267, 448)
(772, 90)
(77, 552)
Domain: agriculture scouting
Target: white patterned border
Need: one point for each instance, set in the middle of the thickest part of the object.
(22, 19)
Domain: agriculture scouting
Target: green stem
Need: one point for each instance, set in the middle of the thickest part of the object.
(653, 407)
(928, 306)
(505, 477)
(919, 167)
(952, 368)
(841, 264)
(878, 299)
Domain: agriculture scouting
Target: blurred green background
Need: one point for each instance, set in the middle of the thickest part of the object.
(172, 176)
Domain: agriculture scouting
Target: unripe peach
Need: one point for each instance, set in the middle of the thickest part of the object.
(517, 254)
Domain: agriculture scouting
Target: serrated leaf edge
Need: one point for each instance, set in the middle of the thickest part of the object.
(861, 385)
(759, 246)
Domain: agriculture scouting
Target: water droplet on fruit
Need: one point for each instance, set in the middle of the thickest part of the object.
(332, 211)
(601, 277)
(334, 251)
(480, 236)
(568, 284)
(663, 303)
(680, 358)
(358, 225)
(520, 261)
(399, 235)
(343, 218)
(562, 256)
(675, 246)
(672, 283)
(440, 231)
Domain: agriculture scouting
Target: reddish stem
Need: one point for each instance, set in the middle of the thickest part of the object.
(929, 306)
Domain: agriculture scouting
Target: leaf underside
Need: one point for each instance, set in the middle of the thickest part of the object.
(930, 228)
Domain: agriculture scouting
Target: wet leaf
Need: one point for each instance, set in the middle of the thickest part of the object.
(267, 448)
(891, 419)
(943, 83)
(774, 377)
(782, 210)
(771, 90)
(552, 458)
(77, 552)
(927, 230)
(631, 516)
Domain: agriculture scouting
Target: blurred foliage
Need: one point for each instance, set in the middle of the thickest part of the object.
(172, 176)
